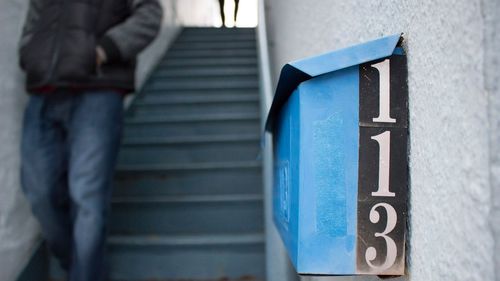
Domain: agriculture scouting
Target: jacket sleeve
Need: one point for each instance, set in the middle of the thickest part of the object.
(126, 40)
(27, 30)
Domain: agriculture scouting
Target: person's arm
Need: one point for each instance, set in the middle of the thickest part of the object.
(126, 40)
(27, 30)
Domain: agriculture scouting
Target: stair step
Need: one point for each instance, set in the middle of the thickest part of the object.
(208, 149)
(194, 98)
(163, 109)
(209, 71)
(187, 240)
(204, 81)
(195, 181)
(187, 214)
(188, 257)
(201, 84)
(187, 128)
(216, 38)
(197, 32)
(189, 166)
(236, 257)
(204, 53)
(144, 120)
(177, 94)
(215, 45)
(218, 198)
(140, 141)
(192, 125)
(205, 62)
(204, 29)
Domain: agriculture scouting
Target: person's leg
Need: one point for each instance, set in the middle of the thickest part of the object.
(236, 5)
(94, 139)
(221, 7)
(43, 175)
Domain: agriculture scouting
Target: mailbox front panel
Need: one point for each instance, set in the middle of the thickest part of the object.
(328, 172)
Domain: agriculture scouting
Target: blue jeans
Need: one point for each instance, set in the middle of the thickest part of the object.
(69, 148)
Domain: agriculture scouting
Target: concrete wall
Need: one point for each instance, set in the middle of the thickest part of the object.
(451, 213)
(278, 266)
(491, 13)
(19, 232)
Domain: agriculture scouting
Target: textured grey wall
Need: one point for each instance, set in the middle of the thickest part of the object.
(491, 13)
(18, 230)
(451, 235)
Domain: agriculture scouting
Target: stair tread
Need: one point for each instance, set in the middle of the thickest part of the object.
(186, 86)
(186, 36)
(189, 166)
(206, 62)
(199, 100)
(193, 117)
(189, 139)
(218, 45)
(206, 80)
(196, 31)
(189, 198)
(222, 72)
(200, 53)
(213, 78)
(214, 29)
(187, 240)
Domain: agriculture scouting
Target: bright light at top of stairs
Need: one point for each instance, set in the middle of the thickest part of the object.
(247, 13)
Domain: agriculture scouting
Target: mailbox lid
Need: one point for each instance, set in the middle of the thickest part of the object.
(294, 73)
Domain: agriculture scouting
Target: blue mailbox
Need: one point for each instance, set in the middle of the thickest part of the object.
(340, 123)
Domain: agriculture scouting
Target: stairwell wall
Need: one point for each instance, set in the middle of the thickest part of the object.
(491, 14)
(19, 232)
(453, 86)
(278, 266)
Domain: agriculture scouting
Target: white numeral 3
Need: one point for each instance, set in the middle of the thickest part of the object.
(371, 252)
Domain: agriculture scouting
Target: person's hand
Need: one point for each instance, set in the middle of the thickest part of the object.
(100, 56)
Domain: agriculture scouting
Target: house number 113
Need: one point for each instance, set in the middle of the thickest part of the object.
(384, 144)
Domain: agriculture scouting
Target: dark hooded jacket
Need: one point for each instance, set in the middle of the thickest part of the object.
(59, 39)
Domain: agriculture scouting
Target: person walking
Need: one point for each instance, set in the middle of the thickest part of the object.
(79, 58)
(221, 7)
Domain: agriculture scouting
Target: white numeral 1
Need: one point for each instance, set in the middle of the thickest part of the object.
(384, 114)
(384, 144)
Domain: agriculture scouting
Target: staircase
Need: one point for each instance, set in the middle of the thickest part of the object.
(188, 199)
